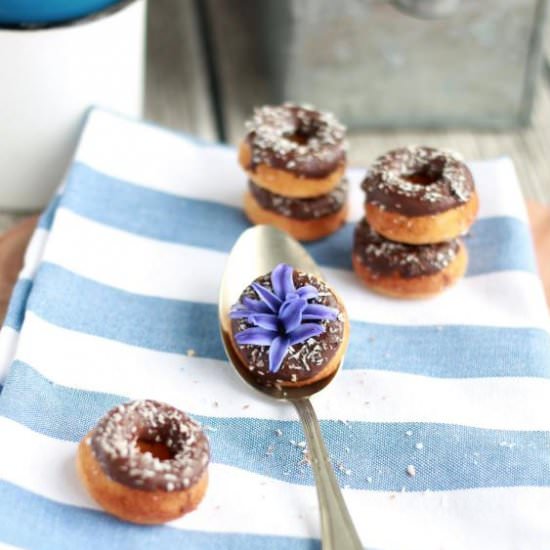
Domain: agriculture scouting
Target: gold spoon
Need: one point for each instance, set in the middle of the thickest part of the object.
(257, 251)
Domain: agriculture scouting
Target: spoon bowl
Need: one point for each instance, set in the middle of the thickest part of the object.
(257, 251)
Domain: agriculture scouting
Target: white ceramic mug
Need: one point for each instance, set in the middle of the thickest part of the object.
(49, 79)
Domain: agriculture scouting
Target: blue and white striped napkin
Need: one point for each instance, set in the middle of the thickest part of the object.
(117, 300)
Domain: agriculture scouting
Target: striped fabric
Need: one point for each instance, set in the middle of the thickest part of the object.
(117, 300)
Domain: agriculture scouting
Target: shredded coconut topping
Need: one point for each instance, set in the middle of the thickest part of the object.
(385, 257)
(303, 360)
(429, 175)
(309, 208)
(115, 444)
(295, 137)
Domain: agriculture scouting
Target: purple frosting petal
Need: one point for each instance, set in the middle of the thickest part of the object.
(256, 305)
(256, 336)
(304, 332)
(290, 314)
(281, 280)
(320, 312)
(273, 302)
(307, 292)
(265, 320)
(240, 313)
(277, 352)
(280, 317)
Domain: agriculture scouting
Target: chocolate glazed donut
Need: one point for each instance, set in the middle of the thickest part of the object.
(420, 195)
(294, 150)
(305, 361)
(403, 270)
(305, 219)
(145, 462)
(301, 209)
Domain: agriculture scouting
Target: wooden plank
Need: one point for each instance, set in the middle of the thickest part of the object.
(12, 249)
(241, 77)
(8, 220)
(177, 93)
(539, 216)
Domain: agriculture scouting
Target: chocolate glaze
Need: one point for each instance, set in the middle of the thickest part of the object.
(296, 139)
(386, 258)
(114, 442)
(304, 360)
(301, 209)
(418, 181)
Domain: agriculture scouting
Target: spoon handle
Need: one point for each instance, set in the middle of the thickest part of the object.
(337, 529)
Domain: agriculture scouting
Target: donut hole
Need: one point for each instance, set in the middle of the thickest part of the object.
(423, 177)
(425, 174)
(303, 132)
(299, 138)
(157, 449)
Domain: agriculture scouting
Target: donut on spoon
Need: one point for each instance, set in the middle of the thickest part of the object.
(305, 219)
(403, 270)
(289, 329)
(294, 151)
(145, 462)
(420, 195)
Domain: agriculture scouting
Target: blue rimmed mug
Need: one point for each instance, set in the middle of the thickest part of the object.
(59, 58)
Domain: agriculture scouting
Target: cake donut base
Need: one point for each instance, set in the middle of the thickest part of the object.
(289, 184)
(302, 230)
(130, 504)
(423, 286)
(328, 370)
(433, 228)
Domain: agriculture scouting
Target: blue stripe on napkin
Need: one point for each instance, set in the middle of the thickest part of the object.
(46, 219)
(62, 527)
(453, 456)
(15, 313)
(495, 244)
(18, 301)
(176, 326)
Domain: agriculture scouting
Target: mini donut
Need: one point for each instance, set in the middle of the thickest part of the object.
(294, 151)
(289, 328)
(304, 219)
(420, 195)
(145, 462)
(404, 270)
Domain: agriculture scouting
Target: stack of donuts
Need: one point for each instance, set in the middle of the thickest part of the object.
(295, 158)
(419, 202)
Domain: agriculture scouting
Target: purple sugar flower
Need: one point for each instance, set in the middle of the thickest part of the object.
(281, 317)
